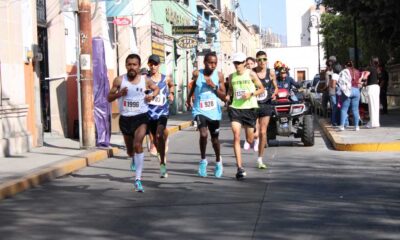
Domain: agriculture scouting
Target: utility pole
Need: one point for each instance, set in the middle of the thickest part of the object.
(88, 127)
(236, 2)
(259, 21)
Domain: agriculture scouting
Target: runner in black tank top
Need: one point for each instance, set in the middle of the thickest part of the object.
(268, 79)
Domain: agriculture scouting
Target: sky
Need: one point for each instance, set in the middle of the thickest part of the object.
(273, 14)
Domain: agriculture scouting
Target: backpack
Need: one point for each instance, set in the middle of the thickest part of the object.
(344, 82)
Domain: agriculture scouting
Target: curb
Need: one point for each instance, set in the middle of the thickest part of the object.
(339, 144)
(64, 167)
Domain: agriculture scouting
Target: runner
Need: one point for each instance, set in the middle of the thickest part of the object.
(208, 87)
(130, 90)
(268, 80)
(159, 111)
(243, 111)
(251, 64)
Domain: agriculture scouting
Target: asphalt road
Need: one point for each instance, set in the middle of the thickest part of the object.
(306, 193)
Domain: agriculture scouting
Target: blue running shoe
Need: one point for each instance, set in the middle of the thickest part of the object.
(133, 167)
(219, 169)
(138, 186)
(203, 168)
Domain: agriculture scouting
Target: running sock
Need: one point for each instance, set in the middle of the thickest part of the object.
(204, 160)
(139, 159)
(259, 160)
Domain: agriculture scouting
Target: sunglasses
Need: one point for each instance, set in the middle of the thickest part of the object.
(262, 59)
(152, 63)
(237, 63)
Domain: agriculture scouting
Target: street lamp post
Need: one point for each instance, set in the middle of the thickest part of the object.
(319, 48)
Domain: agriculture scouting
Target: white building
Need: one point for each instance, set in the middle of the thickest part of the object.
(301, 53)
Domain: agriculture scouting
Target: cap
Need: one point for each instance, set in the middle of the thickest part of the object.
(154, 58)
(239, 57)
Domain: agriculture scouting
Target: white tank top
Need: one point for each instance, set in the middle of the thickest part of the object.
(133, 103)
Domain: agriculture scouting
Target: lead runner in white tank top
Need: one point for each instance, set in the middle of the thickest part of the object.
(134, 102)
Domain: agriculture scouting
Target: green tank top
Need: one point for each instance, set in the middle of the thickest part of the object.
(240, 85)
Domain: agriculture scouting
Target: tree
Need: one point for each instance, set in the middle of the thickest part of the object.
(378, 20)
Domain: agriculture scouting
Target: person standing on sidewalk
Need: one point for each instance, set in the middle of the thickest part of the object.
(207, 88)
(349, 85)
(268, 80)
(245, 87)
(130, 90)
(159, 111)
(373, 89)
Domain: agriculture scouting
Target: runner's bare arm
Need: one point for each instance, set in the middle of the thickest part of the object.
(171, 88)
(115, 91)
(272, 76)
(221, 88)
(152, 86)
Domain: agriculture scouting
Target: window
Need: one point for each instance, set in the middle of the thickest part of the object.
(301, 75)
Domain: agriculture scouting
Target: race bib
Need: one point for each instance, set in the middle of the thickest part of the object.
(131, 105)
(159, 100)
(239, 94)
(262, 96)
(207, 105)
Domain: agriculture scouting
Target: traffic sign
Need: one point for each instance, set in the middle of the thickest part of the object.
(187, 42)
(123, 21)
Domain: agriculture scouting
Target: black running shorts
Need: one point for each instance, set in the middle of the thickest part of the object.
(154, 123)
(213, 125)
(246, 117)
(128, 125)
(265, 110)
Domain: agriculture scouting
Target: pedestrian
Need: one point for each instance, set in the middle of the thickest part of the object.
(159, 111)
(268, 80)
(349, 86)
(383, 78)
(130, 90)
(250, 63)
(245, 87)
(332, 76)
(373, 90)
(206, 109)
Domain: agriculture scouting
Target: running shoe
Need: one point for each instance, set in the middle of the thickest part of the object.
(241, 173)
(261, 165)
(138, 186)
(163, 171)
(246, 145)
(219, 169)
(203, 168)
(255, 147)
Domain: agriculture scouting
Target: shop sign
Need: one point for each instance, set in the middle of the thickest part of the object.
(187, 42)
(175, 18)
(123, 21)
(176, 30)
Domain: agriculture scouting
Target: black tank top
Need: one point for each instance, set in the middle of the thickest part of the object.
(267, 83)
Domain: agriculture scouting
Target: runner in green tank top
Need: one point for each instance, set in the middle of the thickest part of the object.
(244, 86)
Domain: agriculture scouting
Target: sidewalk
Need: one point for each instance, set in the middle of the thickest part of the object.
(383, 139)
(60, 156)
